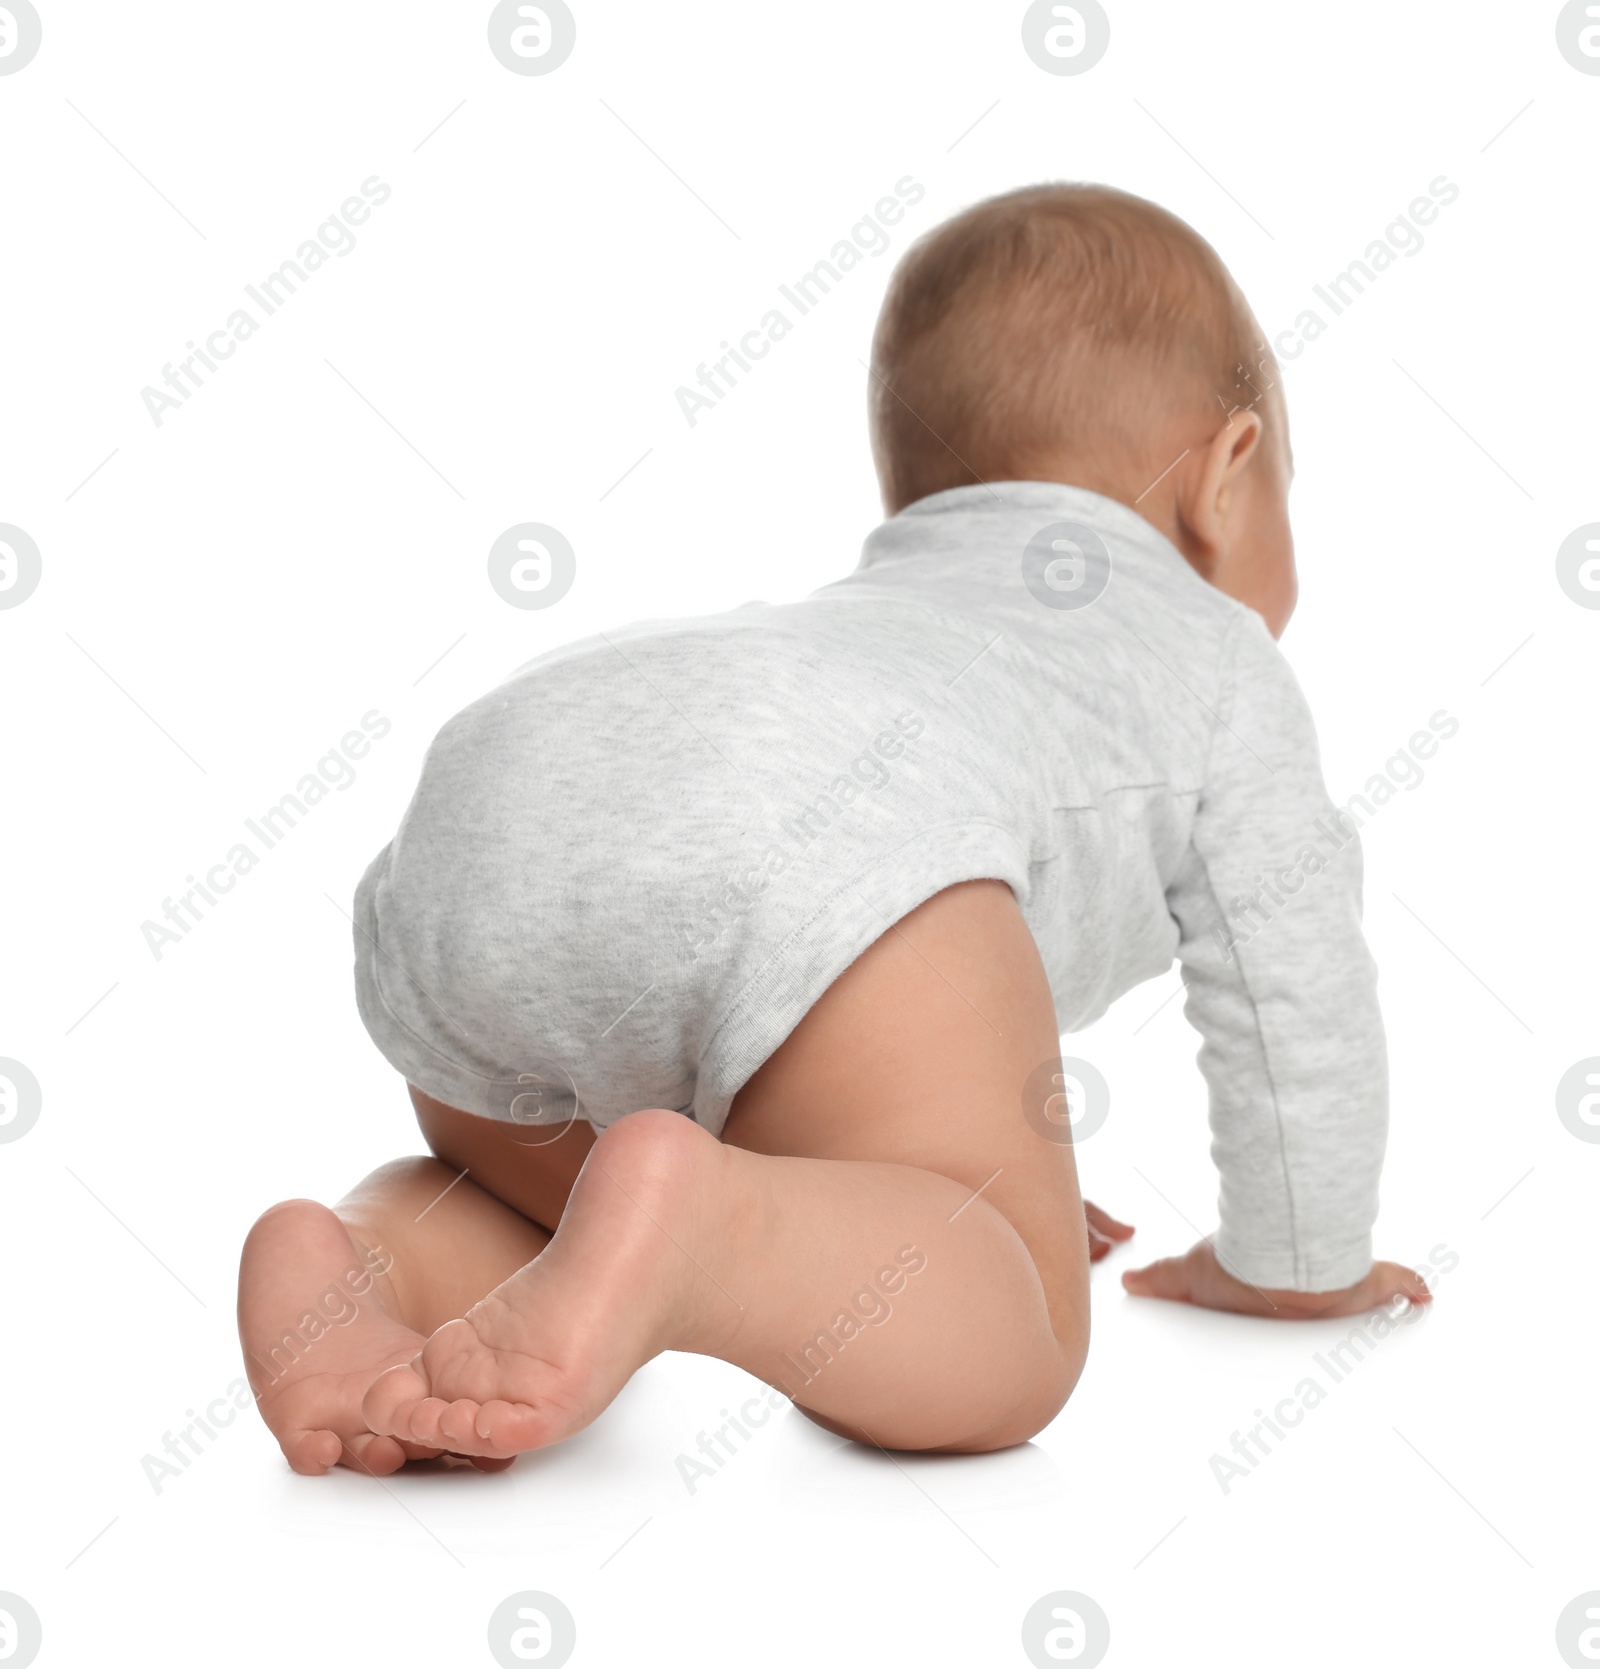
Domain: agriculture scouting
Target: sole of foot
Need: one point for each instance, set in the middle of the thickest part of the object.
(548, 1350)
(316, 1335)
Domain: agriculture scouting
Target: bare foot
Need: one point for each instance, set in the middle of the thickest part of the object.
(316, 1333)
(624, 1278)
(1199, 1278)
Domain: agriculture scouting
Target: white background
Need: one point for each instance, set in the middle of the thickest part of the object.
(229, 592)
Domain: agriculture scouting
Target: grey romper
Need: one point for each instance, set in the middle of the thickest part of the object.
(629, 870)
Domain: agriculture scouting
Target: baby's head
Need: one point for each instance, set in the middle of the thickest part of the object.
(1078, 334)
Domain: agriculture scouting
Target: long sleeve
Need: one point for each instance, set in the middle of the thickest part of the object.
(1281, 988)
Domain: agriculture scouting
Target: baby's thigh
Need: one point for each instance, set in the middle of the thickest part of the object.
(928, 1050)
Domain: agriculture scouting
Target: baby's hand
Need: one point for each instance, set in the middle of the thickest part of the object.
(1197, 1278)
(1104, 1230)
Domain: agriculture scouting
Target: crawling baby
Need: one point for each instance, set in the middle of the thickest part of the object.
(726, 959)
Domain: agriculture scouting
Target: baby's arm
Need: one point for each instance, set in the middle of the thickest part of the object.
(1283, 991)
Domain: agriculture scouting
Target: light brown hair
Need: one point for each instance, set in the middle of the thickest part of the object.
(1056, 330)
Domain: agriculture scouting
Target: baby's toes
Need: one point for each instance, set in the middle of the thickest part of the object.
(420, 1451)
(452, 1352)
(511, 1428)
(390, 1398)
(423, 1422)
(459, 1423)
(374, 1454)
(311, 1453)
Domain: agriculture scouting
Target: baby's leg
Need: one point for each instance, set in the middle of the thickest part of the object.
(882, 1234)
(329, 1299)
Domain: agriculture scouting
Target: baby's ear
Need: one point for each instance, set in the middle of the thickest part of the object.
(1236, 442)
(1207, 491)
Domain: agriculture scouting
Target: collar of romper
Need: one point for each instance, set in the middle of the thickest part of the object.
(992, 512)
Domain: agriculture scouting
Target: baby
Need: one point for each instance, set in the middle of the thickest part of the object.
(727, 959)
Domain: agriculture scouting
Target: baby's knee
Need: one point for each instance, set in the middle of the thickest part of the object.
(927, 1431)
(1046, 1394)
(1023, 1423)
(1044, 1403)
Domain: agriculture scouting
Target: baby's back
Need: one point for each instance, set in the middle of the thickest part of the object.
(712, 805)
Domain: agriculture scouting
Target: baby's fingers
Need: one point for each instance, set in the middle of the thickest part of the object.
(1103, 1224)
